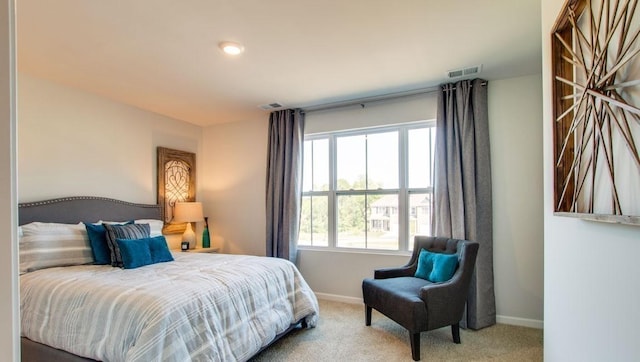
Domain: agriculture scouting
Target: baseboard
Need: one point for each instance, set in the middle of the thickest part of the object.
(514, 321)
(522, 322)
(339, 298)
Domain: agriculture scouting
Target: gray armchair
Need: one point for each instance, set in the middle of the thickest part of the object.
(418, 304)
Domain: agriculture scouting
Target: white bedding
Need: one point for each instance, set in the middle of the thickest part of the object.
(201, 307)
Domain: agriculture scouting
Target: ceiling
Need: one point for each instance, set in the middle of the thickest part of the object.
(162, 55)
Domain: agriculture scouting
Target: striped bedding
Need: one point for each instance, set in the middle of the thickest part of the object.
(201, 307)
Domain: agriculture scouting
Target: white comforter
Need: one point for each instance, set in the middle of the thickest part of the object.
(201, 307)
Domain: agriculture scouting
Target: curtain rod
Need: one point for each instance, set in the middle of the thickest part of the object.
(362, 101)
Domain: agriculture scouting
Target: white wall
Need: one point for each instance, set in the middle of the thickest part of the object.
(71, 142)
(418, 107)
(591, 270)
(233, 185)
(9, 304)
(516, 170)
(77, 143)
(234, 194)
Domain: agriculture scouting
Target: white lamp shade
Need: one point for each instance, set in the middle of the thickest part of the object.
(187, 212)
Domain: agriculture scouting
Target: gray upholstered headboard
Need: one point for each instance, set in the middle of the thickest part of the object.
(71, 210)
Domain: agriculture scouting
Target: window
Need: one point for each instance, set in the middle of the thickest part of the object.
(368, 189)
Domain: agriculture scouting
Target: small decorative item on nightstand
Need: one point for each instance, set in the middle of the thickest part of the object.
(184, 246)
(206, 239)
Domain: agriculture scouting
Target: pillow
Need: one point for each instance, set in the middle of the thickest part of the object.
(155, 226)
(436, 267)
(425, 264)
(140, 252)
(48, 245)
(127, 231)
(134, 253)
(159, 250)
(99, 245)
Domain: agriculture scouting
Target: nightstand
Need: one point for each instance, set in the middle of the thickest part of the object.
(203, 250)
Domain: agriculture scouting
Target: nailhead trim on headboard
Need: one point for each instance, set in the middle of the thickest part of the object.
(74, 209)
(71, 198)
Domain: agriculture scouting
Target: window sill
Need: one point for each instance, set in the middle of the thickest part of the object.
(404, 253)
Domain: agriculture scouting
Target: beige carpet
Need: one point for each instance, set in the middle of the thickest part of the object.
(342, 336)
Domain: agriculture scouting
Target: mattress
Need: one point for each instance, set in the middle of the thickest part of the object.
(200, 307)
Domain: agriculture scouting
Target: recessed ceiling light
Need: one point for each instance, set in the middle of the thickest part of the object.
(230, 47)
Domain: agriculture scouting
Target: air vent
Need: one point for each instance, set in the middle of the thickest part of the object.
(270, 106)
(455, 73)
(463, 72)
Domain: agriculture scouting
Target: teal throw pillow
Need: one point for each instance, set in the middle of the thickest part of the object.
(444, 266)
(159, 250)
(425, 264)
(128, 231)
(99, 244)
(140, 252)
(134, 253)
(436, 267)
(98, 241)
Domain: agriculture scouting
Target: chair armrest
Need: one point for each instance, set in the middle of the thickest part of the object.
(444, 301)
(384, 273)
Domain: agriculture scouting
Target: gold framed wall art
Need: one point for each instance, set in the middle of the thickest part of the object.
(176, 183)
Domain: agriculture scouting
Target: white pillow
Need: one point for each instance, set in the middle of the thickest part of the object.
(155, 226)
(48, 245)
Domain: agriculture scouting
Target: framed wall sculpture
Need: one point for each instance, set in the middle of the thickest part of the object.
(596, 98)
(176, 182)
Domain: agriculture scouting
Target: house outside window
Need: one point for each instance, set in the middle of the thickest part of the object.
(368, 189)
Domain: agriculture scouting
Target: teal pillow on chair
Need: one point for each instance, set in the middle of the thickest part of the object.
(436, 267)
(425, 264)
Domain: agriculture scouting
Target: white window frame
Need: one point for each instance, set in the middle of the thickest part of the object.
(403, 191)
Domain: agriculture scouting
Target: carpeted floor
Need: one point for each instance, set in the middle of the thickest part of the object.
(342, 336)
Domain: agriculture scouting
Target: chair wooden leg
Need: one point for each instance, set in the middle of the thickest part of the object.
(415, 346)
(367, 315)
(455, 331)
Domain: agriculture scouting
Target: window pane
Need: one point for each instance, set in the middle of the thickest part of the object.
(382, 226)
(351, 161)
(321, 165)
(420, 157)
(307, 166)
(419, 216)
(382, 161)
(304, 236)
(315, 165)
(351, 221)
(314, 221)
(433, 152)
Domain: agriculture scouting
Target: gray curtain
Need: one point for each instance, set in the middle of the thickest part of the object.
(462, 194)
(284, 182)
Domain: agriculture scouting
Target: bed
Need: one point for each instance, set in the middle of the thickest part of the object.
(197, 307)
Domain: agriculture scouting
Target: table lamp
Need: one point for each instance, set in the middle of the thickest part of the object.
(188, 212)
